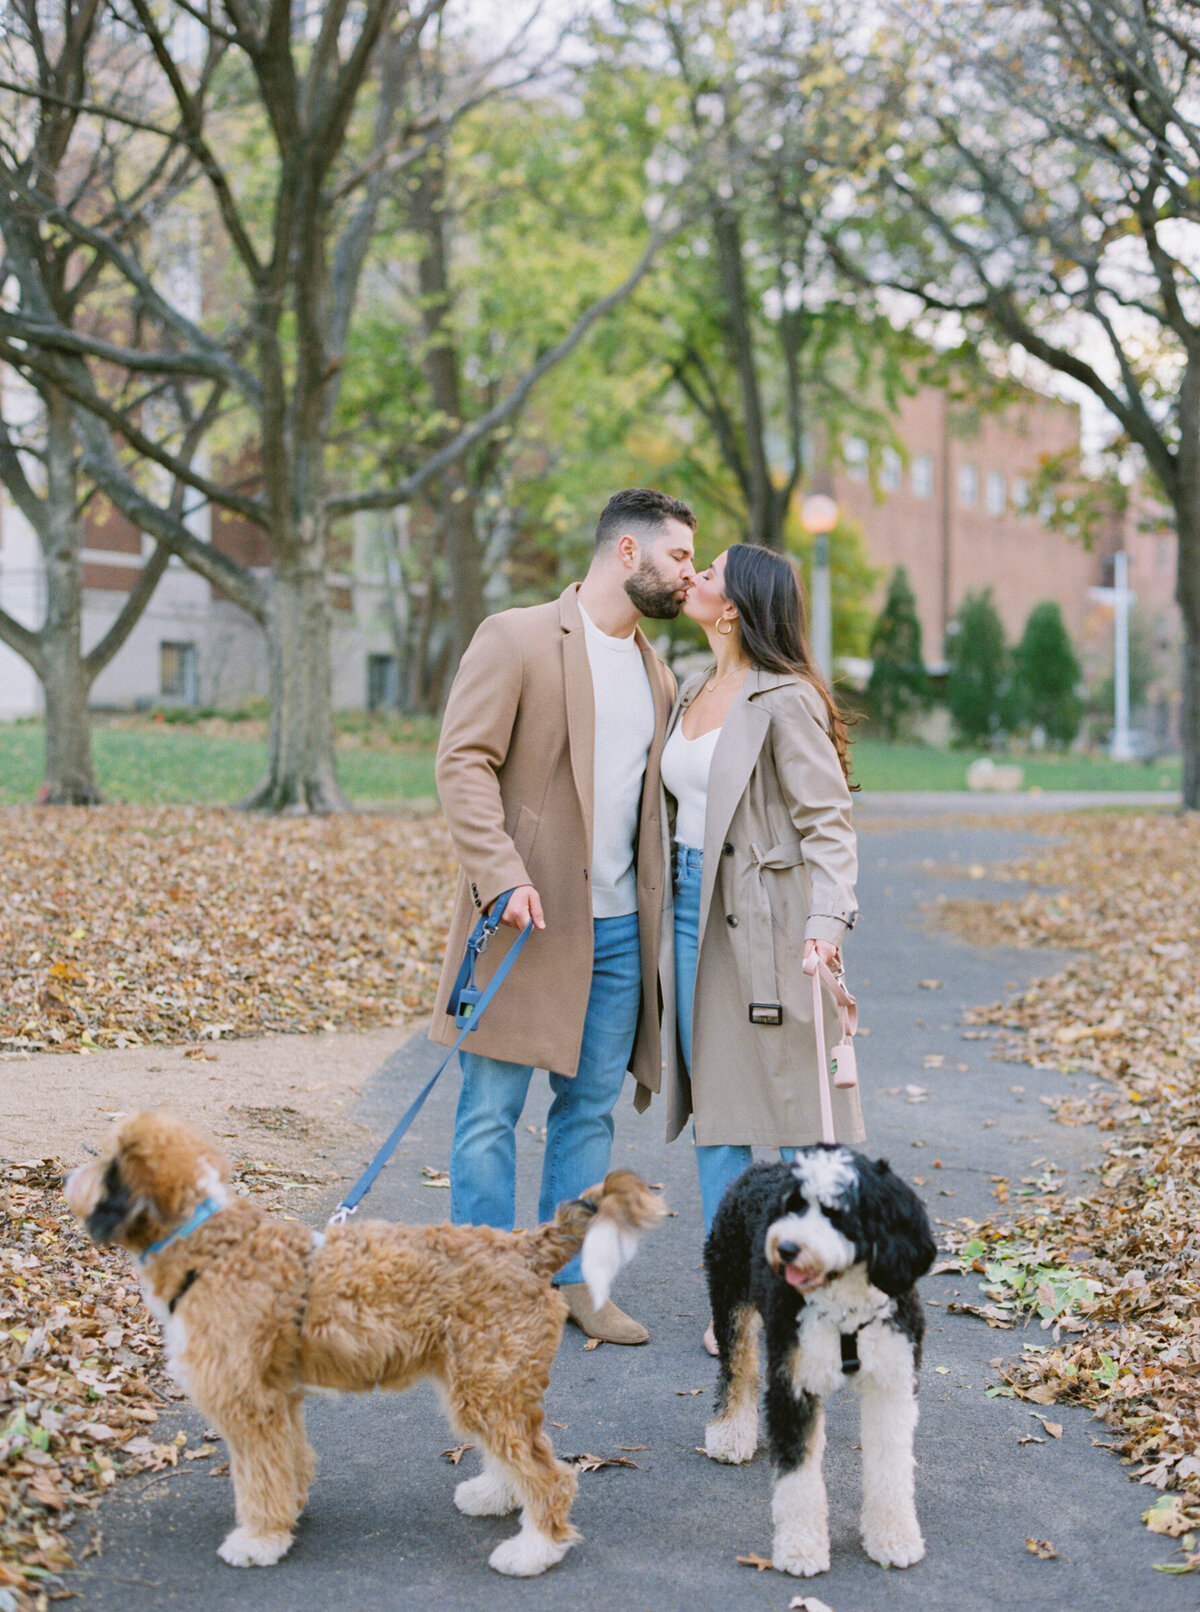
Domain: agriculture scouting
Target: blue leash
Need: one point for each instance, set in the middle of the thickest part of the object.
(467, 1003)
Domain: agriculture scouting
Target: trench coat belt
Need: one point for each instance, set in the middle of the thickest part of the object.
(764, 980)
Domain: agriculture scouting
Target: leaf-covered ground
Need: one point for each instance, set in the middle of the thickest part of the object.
(1113, 1275)
(81, 1387)
(121, 925)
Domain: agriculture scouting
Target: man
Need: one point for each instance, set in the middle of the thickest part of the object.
(548, 775)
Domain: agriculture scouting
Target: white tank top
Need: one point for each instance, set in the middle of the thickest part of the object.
(685, 767)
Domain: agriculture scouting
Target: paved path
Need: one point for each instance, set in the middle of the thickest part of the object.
(381, 1530)
(872, 805)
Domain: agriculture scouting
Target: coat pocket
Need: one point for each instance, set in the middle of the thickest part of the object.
(525, 833)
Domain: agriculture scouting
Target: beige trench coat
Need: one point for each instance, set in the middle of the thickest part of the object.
(779, 868)
(514, 774)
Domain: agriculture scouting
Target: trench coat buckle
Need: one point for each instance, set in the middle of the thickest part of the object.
(766, 1013)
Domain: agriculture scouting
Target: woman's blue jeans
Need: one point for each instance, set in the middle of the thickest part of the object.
(718, 1166)
(579, 1126)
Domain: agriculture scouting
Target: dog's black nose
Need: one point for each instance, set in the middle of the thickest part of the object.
(787, 1251)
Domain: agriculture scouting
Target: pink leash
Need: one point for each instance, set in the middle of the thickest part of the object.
(841, 1065)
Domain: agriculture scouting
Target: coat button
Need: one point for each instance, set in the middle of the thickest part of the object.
(731, 920)
(727, 848)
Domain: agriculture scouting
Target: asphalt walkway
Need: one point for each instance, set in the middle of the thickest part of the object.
(381, 1529)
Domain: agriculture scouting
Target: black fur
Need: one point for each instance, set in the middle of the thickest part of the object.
(115, 1208)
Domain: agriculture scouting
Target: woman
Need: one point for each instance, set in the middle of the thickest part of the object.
(756, 761)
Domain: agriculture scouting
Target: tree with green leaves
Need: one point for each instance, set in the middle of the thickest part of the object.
(976, 683)
(1045, 198)
(285, 130)
(774, 354)
(1046, 675)
(898, 689)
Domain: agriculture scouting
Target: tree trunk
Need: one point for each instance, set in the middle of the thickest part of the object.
(1187, 594)
(69, 778)
(761, 526)
(427, 209)
(301, 776)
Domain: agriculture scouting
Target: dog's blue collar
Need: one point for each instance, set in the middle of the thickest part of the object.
(202, 1212)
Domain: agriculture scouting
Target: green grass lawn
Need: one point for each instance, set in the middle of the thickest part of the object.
(177, 765)
(881, 766)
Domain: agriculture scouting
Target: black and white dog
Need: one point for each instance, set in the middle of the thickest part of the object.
(823, 1253)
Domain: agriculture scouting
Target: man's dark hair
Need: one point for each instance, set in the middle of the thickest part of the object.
(641, 508)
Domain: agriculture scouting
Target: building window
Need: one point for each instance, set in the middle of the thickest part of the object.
(891, 470)
(854, 452)
(968, 486)
(177, 678)
(1020, 494)
(383, 683)
(996, 501)
(922, 475)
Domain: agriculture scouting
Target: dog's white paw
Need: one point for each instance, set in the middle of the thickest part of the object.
(733, 1439)
(894, 1545)
(488, 1495)
(801, 1558)
(241, 1548)
(528, 1553)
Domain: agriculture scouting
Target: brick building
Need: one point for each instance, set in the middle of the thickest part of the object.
(957, 511)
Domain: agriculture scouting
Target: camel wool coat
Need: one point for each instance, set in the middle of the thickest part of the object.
(780, 864)
(514, 774)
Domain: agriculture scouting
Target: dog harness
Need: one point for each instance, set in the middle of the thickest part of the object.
(202, 1212)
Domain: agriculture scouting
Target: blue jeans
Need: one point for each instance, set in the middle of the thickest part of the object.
(579, 1126)
(718, 1166)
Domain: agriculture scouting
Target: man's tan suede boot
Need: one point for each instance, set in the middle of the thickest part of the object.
(607, 1323)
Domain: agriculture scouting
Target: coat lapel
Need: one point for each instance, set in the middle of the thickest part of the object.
(581, 705)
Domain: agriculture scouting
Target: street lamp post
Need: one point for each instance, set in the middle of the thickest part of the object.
(819, 516)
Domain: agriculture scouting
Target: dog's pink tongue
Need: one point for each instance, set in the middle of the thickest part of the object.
(797, 1278)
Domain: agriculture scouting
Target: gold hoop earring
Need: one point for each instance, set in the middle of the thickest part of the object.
(728, 620)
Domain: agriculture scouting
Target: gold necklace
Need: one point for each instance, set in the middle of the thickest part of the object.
(715, 682)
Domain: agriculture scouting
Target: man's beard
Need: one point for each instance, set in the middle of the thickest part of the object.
(653, 595)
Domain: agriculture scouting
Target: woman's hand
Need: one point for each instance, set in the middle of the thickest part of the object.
(827, 951)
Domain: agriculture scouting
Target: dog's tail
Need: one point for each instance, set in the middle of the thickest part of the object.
(606, 1222)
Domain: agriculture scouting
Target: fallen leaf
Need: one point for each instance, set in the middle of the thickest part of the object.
(1042, 1549)
(593, 1463)
(455, 1455)
(807, 1603)
(761, 1563)
(1030, 1438)
(930, 985)
(1053, 1428)
(592, 1343)
(431, 1177)
(684, 1393)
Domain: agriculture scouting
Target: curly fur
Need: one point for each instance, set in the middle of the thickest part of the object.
(256, 1312)
(824, 1249)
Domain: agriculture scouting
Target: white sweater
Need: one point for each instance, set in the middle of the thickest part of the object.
(624, 732)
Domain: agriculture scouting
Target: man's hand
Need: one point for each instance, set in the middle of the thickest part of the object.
(524, 904)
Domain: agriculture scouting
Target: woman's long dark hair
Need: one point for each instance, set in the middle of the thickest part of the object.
(766, 589)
